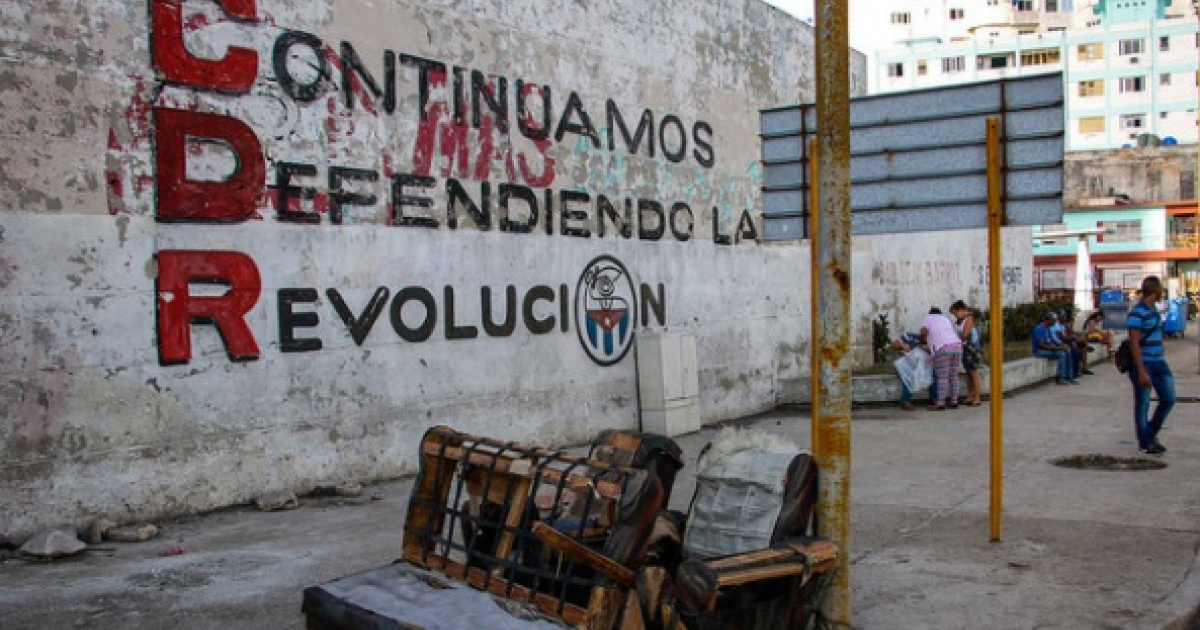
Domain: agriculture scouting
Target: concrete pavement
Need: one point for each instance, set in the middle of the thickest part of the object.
(1081, 549)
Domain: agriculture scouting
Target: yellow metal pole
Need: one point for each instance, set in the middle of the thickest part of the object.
(814, 304)
(834, 291)
(996, 322)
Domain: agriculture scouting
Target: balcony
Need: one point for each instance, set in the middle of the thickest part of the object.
(1182, 241)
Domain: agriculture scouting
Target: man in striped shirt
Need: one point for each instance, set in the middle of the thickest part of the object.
(1150, 367)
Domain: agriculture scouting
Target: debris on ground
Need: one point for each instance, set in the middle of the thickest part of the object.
(177, 550)
(276, 501)
(348, 489)
(132, 533)
(96, 531)
(53, 544)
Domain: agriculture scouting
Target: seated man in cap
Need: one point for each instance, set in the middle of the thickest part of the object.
(1047, 346)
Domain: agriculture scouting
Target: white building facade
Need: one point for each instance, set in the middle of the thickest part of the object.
(1130, 66)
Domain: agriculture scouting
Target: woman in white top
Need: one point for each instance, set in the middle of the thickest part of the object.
(938, 333)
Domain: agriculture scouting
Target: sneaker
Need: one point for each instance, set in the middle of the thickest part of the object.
(1088, 372)
(1159, 446)
(1060, 381)
(907, 406)
(1153, 449)
(1073, 382)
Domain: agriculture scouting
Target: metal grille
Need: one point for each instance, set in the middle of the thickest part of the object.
(476, 500)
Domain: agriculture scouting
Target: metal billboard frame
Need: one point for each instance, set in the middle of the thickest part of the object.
(919, 158)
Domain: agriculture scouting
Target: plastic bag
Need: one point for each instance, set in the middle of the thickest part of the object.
(915, 369)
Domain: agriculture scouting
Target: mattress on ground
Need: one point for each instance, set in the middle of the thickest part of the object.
(403, 597)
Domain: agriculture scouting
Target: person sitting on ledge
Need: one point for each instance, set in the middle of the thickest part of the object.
(1047, 346)
(1093, 327)
(1064, 330)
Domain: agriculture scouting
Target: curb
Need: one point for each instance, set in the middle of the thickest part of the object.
(1186, 597)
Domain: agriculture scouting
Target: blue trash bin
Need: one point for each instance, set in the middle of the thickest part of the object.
(1112, 296)
(1175, 325)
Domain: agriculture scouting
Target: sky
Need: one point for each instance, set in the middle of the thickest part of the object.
(860, 36)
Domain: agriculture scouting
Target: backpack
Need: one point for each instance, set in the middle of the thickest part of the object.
(1124, 358)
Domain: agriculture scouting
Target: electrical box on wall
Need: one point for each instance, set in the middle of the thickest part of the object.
(668, 383)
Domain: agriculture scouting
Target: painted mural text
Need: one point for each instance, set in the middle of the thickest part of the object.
(469, 124)
(415, 314)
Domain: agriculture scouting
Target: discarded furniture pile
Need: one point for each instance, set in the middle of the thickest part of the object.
(502, 535)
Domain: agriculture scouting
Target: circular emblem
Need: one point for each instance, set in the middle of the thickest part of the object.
(605, 310)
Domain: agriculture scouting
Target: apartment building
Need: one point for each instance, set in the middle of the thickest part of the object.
(1130, 66)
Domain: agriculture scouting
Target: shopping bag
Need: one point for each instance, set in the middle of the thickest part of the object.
(915, 369)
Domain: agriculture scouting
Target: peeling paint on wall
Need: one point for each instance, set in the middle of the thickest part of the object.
(358, 152)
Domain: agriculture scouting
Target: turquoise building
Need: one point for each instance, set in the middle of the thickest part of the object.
(1137, 241)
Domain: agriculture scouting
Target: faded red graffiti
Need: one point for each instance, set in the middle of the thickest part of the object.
(439, 135)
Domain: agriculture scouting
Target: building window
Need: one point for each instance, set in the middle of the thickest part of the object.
(954, 64)
(1133, 121)
(992, 62)
(922, 67)
(1164, 44)
(1131, 85)
(1132, 46)
(993, 3)
(895, 70)
(1023, 5)
(1040, 57)
(1054, 278)
(956, 14)
(1164, 78)
(1051, 6)
(1163, 115)
(1120, 231)
(1088, 52)
(1094, 87)
(1187, 184)
(901, 18)
(1091, 124)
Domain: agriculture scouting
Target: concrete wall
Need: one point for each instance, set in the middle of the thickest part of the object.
(1145, 174)
(227, 268)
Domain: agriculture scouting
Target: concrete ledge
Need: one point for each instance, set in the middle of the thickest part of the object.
(886, 388)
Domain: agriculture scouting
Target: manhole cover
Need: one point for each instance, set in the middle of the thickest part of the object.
(1108, 462)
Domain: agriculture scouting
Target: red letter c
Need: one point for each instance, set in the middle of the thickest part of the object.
(234, 74)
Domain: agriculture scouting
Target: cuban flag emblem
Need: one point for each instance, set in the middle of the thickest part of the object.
(605, 310)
